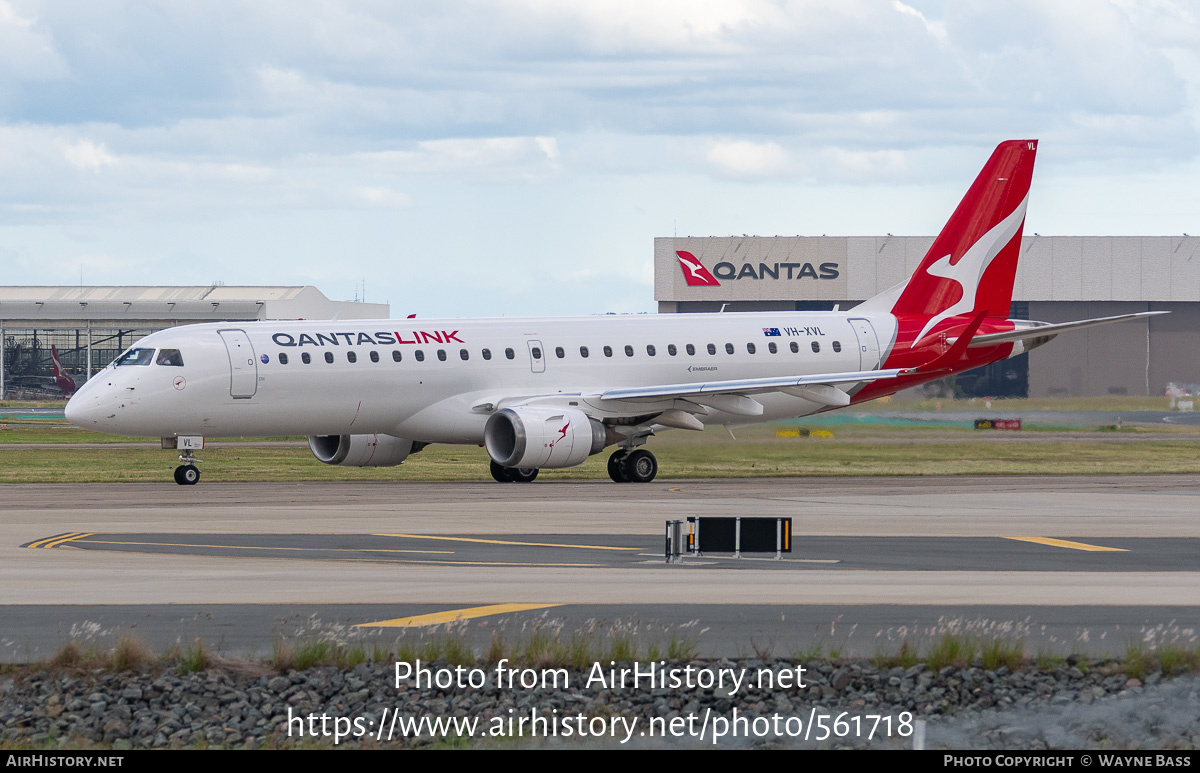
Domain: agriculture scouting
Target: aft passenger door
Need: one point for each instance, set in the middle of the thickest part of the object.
(243, 369)
(868, 344)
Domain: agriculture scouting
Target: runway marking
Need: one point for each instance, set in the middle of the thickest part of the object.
(1062, 543)
(450, 616)
(252, 547)
(505, 542)
(56, 540)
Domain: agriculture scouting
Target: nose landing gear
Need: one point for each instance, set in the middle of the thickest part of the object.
(187, 474)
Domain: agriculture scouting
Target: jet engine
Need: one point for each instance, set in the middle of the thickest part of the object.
(539, 437)
(360, 450)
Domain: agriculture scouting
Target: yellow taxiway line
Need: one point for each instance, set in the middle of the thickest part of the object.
(452, 615)
(59, 539)
(506, 542)
(1062, 543)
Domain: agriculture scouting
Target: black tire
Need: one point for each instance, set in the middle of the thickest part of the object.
(179, 475)
(640, 466)
(190, 474)
(614, 467)
(500, 473)
(522, 474)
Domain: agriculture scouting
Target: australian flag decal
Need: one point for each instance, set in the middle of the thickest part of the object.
(770, 331)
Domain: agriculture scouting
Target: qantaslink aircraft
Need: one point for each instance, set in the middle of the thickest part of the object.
(549, 393)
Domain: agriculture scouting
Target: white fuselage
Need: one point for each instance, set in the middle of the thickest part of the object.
(233, 380)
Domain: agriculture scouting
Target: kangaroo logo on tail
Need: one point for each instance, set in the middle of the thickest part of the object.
(970, 267)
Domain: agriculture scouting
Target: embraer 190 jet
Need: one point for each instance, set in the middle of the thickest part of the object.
(549, 393)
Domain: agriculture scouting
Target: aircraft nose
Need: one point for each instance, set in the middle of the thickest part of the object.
(85, 408)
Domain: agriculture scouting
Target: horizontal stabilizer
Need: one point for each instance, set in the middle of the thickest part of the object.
(1039, 330)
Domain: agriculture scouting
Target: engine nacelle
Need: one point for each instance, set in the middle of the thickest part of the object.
(539, 437)
(360, 450)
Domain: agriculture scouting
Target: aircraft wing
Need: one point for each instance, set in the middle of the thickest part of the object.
(1041, 330)
(744, 386)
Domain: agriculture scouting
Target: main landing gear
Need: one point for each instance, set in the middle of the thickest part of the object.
(513, 474)
(638, 466)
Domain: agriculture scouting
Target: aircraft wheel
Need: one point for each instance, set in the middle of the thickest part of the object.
(614, 467)
(522, 474)
(179, 475)
(187, 475)
(640, 466)
(500, 473)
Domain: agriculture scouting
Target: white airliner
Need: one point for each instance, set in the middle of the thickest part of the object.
(548, 393)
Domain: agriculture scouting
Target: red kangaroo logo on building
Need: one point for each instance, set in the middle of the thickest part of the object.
(694, 272)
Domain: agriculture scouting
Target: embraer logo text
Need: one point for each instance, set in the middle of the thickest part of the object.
(383, 338)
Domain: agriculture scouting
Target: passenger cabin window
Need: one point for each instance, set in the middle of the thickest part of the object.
(691, 349)
(837, 346)
(559, 353)
(464, 354)
(608, 351)
(729, 348)
(305, 358)
(795, 347)
(671, 350)
(750, 348)
(420, 355)
(628, 350)
(170, 357)
(536, 352)
(650, 349)
(772, 348)
(816, 346)
(329, 357)
(442, 355)
(283, 358)
(351, 357)
(712, 348)
(396, 356)
(487, 354)
(509, 353)
(583, 352)
(374, 356)
(135, 357)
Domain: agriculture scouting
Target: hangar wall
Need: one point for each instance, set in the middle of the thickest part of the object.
(1059, 278)
(90, 326)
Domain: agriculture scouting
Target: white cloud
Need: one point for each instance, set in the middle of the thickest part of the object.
(26, 52)
(741, 158)
(89, 156)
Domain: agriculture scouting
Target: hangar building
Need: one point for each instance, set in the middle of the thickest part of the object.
(90, 326)
(1059, 279)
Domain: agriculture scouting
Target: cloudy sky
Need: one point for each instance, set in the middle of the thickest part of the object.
(517, 157)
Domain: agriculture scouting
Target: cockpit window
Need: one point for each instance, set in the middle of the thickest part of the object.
(135, 357)
(170, 357)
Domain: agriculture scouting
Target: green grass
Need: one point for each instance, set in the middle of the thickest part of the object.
(854, 450)
(711, 454)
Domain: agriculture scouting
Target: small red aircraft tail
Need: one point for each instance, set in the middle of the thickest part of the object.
(61, 379)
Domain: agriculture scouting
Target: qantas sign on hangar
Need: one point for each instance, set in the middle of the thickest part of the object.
(1059, 278)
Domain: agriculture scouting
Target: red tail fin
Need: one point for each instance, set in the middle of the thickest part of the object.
(973, 261)
(61, 379)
